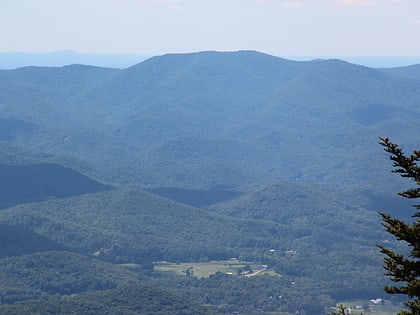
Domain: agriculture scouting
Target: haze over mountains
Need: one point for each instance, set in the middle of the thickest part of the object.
(13, 60)
(210, 119)
(257, 153)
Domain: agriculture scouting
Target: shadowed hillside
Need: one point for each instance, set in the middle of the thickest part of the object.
(134, 226)
(15, 241)
(31, 183)
(135, 300)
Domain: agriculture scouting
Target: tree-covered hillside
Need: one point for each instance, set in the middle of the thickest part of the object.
(265, 161)
(30, 183)
(134, 300)
(287, 226)
(134, 226)
(49, 273)
(407, 72)
(213, 119)
(27, 176)
(15, 241)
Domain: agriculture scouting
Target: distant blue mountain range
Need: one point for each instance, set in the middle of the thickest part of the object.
(10, 60)
(62, 58)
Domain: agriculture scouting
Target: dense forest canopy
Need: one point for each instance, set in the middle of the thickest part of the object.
(194, 161)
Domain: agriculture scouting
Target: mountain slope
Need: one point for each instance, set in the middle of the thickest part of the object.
(288, 226)
(27, 176)
(31, 183)
(408, 72)
(239, 118)
(134, 226)
(16, 241)
(135, 300)
(63, 273)
(317, 213)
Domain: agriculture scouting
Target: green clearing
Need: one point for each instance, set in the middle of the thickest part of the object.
(387, 308)
(206, 269)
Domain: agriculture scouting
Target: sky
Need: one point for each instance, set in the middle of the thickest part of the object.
(151, 27)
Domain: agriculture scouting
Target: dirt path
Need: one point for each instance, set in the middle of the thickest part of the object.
(255, 273)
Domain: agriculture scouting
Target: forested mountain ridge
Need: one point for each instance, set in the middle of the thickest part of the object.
(407, 72)
(171, 119)
(280, 156)
(135, 226)
(133, 300)
(122, 226)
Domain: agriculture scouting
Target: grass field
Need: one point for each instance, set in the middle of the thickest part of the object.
(205, 269)
(385, 309)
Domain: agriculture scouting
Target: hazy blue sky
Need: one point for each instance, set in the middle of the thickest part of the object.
(279, 27)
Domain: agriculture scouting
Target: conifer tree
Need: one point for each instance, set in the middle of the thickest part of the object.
(341, 310)
(404, 269)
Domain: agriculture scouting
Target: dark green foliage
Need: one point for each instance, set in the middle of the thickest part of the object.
(134, 300)
(332, 237)
(31, 183)
(15, 241)
(134, 226)
(341, 310)
(255, 295)
(60, 273)
(196, 197)
(404, 269)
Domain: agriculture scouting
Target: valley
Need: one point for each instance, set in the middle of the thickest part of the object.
(202, 183)
(206, 269)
